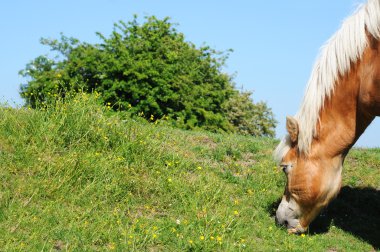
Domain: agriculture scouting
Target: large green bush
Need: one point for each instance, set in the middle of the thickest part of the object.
(148, 69)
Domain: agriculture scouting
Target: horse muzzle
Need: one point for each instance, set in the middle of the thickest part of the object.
(287, 215)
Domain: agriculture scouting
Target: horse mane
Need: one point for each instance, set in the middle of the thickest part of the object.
(345, 47)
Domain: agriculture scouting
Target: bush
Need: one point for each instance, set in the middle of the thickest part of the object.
(249, 118)
(148, 69)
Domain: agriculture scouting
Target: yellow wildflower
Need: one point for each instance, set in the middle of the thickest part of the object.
(111, 246)
(219, 239)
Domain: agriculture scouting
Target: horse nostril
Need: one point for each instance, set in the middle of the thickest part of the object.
(286, 223)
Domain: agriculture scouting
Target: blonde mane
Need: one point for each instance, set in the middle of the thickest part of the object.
(346, 46)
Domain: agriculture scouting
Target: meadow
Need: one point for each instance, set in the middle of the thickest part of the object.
(77, 177)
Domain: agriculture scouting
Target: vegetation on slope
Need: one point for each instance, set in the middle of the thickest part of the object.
(151, 70)
(76, 177)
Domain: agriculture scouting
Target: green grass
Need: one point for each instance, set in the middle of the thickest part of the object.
(74, 177)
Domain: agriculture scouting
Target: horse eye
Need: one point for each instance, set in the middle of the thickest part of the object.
(285, 168)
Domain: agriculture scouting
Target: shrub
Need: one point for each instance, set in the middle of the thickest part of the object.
(148, 69)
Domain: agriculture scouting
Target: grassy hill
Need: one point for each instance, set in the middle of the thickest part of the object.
(74, 177)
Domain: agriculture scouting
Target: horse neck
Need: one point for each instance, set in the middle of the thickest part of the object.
(343, 117)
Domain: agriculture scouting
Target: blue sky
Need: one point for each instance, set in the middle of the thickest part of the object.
(275, 42)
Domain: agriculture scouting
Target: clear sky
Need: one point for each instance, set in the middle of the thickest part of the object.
(275, 42)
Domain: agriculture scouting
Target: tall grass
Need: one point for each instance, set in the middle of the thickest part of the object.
(76, 177)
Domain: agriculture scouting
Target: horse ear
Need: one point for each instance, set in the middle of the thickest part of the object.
(292, 128)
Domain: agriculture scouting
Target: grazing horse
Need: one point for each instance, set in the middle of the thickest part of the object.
(341, 100)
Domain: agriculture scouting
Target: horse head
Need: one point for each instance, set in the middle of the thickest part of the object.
(312, 181)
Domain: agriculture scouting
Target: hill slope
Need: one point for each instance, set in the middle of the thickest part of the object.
(75, 178)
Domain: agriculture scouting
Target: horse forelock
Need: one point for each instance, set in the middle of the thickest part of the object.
(344, 48)
(282, 148)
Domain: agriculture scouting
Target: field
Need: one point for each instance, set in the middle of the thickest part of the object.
(76, 177)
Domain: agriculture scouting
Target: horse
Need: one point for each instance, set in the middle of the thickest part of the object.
(341, 99)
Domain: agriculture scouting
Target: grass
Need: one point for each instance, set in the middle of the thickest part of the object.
(75, 177)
